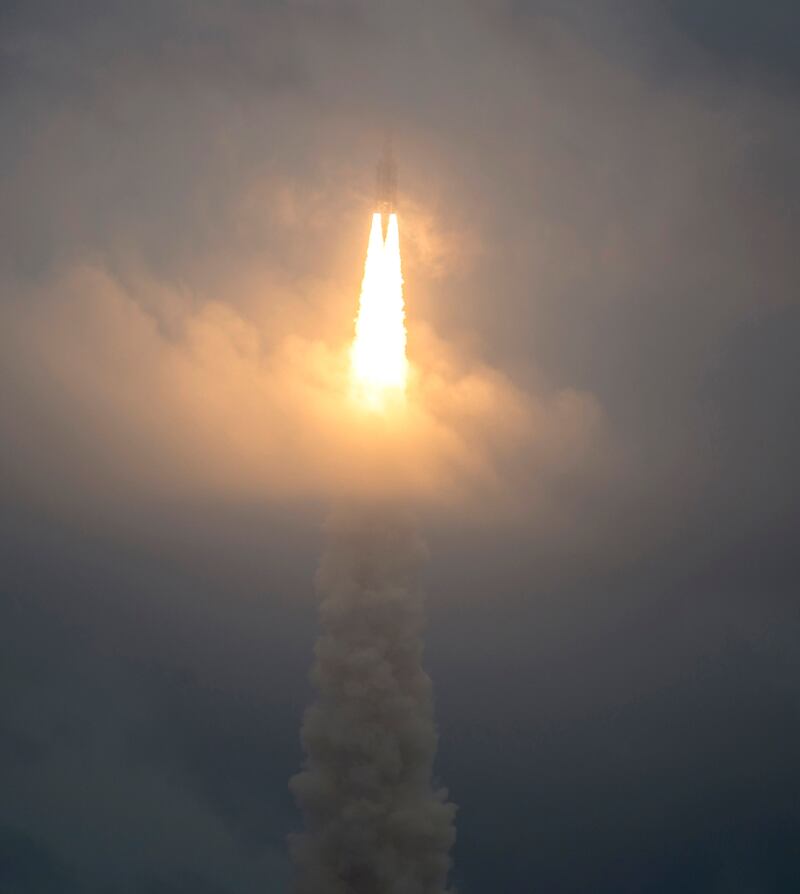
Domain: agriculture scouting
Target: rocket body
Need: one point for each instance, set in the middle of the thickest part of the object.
(386, 185)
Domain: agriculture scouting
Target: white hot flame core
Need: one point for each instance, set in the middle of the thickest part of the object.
(378, 356)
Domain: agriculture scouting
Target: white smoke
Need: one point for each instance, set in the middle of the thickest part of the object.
(374, 822)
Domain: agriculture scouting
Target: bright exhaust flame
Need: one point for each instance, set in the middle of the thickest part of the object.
(378, 357)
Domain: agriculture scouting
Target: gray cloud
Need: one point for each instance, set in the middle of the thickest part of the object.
(599, 206)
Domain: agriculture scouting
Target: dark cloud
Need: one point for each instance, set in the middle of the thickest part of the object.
(599, 221)
(747, 36)
(28, 865)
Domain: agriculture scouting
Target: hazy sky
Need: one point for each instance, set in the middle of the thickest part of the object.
(599, 212)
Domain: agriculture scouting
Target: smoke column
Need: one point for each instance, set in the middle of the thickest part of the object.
(374, 822)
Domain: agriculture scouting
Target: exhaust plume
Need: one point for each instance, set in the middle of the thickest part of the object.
(375, 824)
(379, 365)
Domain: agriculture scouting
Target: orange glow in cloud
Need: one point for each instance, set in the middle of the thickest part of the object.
(256, 393)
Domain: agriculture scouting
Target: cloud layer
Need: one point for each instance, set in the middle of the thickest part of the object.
(599, 207)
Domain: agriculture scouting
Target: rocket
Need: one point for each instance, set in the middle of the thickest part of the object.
(386, 183)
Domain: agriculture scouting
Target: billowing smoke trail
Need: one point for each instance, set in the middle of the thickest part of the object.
(374, 822)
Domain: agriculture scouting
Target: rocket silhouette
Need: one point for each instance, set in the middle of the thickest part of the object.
(386, 183)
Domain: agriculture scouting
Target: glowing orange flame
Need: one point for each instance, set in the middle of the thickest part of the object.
(378, 357)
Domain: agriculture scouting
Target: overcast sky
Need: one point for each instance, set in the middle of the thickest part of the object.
(599, 214)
